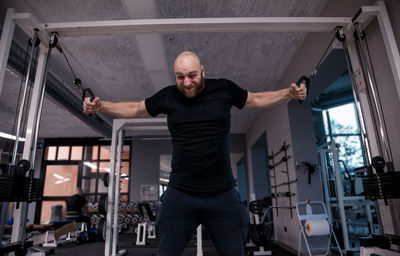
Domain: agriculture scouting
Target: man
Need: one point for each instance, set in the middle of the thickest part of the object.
(77, 207)
(201, 188)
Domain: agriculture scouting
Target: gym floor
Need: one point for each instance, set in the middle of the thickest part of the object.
(126, 241)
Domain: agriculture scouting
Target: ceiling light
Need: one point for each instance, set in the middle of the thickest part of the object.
(58, 176)
(165, 180)
(89, 164)
(10, 137)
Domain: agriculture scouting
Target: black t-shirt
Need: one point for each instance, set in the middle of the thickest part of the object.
(200, 130)
(74, 205)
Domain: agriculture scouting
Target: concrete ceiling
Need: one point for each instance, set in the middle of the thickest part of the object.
(128, 67)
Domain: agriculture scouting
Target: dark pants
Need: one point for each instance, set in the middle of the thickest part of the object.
(224, 216)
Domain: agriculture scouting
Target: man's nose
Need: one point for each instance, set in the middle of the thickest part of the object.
(186, 81)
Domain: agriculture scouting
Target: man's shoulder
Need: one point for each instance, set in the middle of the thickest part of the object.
(221, 83)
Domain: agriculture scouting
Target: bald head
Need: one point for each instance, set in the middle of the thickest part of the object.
(187, 58)
(189, 74)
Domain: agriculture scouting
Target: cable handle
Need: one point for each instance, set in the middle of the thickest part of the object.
(87, 93)
(307, 82)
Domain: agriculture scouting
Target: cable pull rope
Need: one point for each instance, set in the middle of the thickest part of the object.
(86, 92)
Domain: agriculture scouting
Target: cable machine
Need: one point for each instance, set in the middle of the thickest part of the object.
(374, 130)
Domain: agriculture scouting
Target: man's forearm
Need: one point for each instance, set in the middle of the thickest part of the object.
(267, 98)
(124, 109)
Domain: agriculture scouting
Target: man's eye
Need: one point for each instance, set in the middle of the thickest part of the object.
(180, 77)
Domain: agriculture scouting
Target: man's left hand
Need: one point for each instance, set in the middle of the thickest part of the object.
(298, 92)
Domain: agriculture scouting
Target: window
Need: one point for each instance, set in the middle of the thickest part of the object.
(96, 163)
(341, 125)
(61, 180)
(69, 165)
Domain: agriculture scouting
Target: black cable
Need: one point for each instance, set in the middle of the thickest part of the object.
(69, 64)
(85, 92)
(326, 50)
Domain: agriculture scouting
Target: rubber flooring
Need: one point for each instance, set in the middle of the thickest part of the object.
(127, 242)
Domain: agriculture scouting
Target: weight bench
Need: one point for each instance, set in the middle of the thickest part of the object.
(69, 228)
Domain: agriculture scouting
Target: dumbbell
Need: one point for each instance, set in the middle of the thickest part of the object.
(129, 206)
(121, 218)
(93, 218)
(95, 206)
(90, 206)
(135, 218)
(128, 218)
(122, 206)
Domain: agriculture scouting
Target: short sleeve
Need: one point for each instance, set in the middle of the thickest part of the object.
(155, 104)
(237, 94)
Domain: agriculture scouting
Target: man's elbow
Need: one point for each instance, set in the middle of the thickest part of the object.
(252, 101)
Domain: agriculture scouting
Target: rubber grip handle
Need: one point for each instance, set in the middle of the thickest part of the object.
(88, 93)
(307, 82)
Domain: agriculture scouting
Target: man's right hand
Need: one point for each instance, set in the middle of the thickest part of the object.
(91, 107)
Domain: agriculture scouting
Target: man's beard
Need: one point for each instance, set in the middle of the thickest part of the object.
(194, 90)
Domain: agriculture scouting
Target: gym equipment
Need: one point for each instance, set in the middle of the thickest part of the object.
(105, 179)
(339, 207)
(282, 160)
(310, 169)
(260, 232)
(129, 206)
(103, 204)
(310, 214)
(307, 79)
(85, 92)
(307, 82)
(95, 207)
(257, 206)
(382, 185)
(122, 206)
(298, 24)
(273, 166)
(23, 188)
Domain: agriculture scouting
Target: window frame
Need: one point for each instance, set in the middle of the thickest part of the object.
(84, 142)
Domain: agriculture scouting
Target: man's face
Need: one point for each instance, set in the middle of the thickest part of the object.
(189, 76)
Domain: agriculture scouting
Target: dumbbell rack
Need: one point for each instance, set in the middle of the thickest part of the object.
(273, 164)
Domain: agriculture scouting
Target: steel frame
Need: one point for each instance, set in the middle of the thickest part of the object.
(119, 128)
(276, 24)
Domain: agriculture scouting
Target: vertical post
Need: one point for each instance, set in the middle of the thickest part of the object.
(199, 242)
(375, 101)
(365, 109)
(339, 194)
(117, 188)
(5, 43)
(36, 99)
(22, 103)
(111, 191)
(324, 178)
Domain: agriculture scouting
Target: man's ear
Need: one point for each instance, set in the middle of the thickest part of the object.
(203, 72)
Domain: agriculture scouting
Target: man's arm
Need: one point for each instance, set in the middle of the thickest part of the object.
(269, 98)
(118, 109)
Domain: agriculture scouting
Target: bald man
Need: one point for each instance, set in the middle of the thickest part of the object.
(201, 187)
